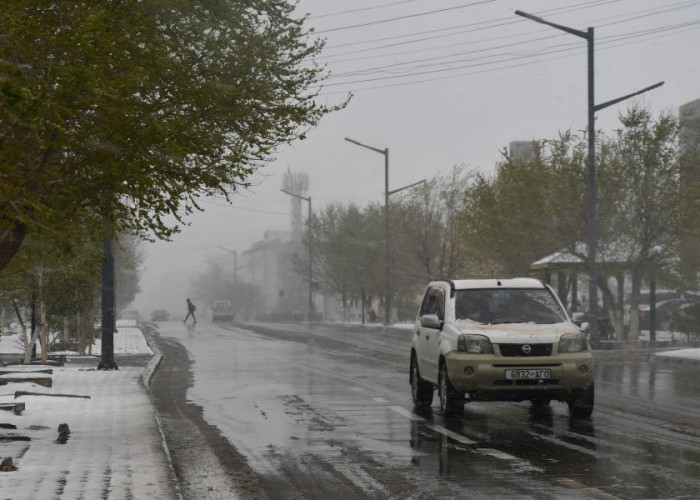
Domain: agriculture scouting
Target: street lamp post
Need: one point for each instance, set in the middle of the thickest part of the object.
(387, 289)
(235, 272)
(387, 193)
(592, 229)
(311, 297)
(108, 305)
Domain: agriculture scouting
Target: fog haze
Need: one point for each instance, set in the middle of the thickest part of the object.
(474, 78)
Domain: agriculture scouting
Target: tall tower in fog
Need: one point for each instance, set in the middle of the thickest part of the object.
(297, 183)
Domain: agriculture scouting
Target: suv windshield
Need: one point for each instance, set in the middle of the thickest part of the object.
(514, 305)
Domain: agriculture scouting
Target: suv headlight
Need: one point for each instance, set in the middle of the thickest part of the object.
(572, 342)
(475, 344)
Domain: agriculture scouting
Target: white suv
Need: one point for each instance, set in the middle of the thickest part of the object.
(498, 340)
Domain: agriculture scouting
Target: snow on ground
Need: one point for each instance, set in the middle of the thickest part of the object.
(681, 353)
(127, 340)
(114, 450)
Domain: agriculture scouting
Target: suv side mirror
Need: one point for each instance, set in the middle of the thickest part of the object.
(430, 321)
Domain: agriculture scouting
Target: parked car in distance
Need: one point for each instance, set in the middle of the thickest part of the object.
(498, 340)
(665, 310)
(686, 319)
(222, 310)
(160, 315)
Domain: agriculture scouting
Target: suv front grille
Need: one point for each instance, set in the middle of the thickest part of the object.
(512, 350)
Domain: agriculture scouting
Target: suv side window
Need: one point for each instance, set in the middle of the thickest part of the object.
(428, 304)
(433, 303)
(440, 304)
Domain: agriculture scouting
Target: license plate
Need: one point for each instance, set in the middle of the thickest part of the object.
(529, 374)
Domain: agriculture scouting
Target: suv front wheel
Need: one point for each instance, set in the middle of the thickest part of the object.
(451, 401)
(581, 402)
(421, 390)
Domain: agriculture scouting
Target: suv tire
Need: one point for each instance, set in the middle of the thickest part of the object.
(451, 401)
(581, 402)
(421, 390)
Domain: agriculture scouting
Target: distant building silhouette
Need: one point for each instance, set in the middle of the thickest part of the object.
(689, 115)
(689, 138)
(522, 150)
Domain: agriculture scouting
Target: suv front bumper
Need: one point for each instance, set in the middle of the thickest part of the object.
(483, 376)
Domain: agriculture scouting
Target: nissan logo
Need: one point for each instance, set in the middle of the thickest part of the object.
(526, 349)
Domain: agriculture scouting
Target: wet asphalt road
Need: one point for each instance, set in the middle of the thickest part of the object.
(325, 412)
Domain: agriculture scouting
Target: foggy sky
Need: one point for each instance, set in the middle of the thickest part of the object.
(489, 78)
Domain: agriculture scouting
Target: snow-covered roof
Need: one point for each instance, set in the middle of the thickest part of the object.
(617, 252)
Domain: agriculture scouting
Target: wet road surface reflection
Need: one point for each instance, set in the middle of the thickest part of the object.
(325, 413)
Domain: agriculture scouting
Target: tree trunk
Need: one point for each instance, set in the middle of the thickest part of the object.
(634, 304)
(90, 339)
(43, 330)
(66, 333)
(22, 325)
(81, 335)
(610, 298)
(11, 238)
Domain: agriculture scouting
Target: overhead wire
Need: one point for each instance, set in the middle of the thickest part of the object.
(362, 9)
(435, 60)
(545, 51)
(508, 20)
(579, 50)
(499, 37)
(386, 68)
(400, 18)
(644, 14)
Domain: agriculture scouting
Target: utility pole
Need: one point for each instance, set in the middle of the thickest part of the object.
(310, 315)
(235, 276)
(592, 226)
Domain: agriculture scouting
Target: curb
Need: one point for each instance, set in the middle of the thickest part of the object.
(145, 379)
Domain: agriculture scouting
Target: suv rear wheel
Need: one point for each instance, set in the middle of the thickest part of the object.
(451, 401)
(421, 390)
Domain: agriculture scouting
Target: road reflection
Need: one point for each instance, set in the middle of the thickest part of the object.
(514, 442)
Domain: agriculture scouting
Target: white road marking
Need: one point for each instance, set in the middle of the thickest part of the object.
(380, 400)
(406, 413)
(518, 463)
(498, 454)
(521, 464)
(452, 435)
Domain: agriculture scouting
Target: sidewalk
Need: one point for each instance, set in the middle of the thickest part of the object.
(115, 449)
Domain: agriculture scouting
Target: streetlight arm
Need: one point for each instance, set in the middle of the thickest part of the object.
(573, 31)
(380, 151)
(297, 195)
(604, 105)
(394, 191)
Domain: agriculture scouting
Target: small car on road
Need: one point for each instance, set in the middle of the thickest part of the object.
(222, 311)
(498, 340)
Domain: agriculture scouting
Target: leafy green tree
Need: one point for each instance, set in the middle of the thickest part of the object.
(50, 281)
(131, 110)
(532, 207)
(426, 240)
(509, 220)
(348, 251)
(214, 284)
(129, 257)
(646, 169)
(426, 229)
